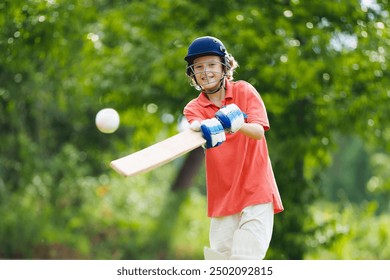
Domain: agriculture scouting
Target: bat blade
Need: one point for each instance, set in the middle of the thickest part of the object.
(158, 154)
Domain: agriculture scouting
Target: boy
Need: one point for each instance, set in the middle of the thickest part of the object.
(242, 194)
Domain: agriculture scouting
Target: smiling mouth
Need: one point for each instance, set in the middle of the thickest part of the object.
(208, 79)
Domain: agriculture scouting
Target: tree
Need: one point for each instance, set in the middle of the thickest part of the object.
(321, 68)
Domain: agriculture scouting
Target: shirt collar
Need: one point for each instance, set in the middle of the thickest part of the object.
(204, 101)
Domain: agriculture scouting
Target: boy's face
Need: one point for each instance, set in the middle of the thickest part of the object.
(208, 71)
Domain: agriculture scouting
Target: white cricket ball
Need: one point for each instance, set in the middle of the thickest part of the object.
(107, 120)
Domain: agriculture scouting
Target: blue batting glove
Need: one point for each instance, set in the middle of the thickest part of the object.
(213, 132)
(230, 117)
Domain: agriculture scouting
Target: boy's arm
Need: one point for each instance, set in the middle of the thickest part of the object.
(252, 130)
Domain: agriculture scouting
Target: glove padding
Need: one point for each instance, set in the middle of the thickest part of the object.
(230, 117)
(213, 132)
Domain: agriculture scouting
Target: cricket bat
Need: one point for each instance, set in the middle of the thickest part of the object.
(158, 154)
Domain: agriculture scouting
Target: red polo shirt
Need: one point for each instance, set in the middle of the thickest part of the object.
(238, 172)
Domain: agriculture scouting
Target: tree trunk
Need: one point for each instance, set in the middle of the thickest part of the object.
(189, 169)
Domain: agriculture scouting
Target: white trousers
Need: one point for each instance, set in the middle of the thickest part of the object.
(245, 235)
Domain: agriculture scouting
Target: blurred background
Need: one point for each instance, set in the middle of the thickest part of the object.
(322, 68)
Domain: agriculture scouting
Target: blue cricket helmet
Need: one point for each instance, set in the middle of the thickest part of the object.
(203, 46)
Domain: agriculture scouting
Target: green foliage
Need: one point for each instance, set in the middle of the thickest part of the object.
(348, 232)
(349, 172)
(321, 68)
(104, 217)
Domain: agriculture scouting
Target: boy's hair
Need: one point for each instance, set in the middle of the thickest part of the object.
(232, 65)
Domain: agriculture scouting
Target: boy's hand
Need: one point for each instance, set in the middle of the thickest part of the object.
(213, 132)
(195, 126)
(230, 117)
